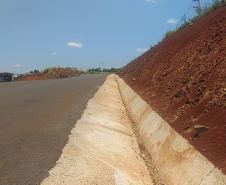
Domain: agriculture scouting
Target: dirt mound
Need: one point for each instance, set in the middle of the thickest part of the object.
(54, 74)
(184, 80)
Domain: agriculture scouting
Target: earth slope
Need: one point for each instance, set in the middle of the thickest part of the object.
(54, 74)
(183, 79)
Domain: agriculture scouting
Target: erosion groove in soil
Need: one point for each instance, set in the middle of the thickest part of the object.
(184, 80)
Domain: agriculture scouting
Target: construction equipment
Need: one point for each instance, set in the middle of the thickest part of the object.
(6, 77)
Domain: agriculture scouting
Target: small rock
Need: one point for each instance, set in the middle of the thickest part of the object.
(187, 101)
(134, 79)
(200, 129)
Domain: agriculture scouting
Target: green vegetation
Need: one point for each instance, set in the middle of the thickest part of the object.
(207, 8)
(168, 33)
(72, 68)
(185, 22)
(49, 69)
(20, 76)
(99, 70)
(204, 10)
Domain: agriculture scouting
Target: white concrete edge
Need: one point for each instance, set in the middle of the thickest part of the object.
(177, 161)
(101, 148)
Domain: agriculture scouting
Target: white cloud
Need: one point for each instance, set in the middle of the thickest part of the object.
(141, 50)
(54, 53)
(172, 21)
(151, 1)
(73, 44)
(17, 65)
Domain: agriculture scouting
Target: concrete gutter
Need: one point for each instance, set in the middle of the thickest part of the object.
(176, 160)
(102, 148)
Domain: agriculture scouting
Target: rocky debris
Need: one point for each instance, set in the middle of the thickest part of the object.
(185, 76)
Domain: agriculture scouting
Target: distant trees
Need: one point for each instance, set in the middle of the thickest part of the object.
(36, 71)
(98, 70)
(49, 69)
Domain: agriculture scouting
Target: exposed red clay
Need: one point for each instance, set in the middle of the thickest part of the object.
(184, 80)
(55, 74)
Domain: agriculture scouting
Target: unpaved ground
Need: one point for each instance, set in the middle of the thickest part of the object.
(102, 148)
(54, 74)
(184, 80)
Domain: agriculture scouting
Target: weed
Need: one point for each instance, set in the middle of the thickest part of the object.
(168, 34)
(207, 8)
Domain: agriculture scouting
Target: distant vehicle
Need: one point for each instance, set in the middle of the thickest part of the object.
(6, 77)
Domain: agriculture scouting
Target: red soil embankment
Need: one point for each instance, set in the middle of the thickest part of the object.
(184, 80)
(54, 74)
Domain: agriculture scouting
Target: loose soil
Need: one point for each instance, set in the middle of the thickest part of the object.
(54, 74)
(183, 79)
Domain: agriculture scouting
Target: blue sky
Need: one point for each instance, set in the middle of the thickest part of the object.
(36, 34)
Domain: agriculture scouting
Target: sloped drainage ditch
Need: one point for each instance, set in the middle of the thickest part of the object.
(177, 161)
(107, 146)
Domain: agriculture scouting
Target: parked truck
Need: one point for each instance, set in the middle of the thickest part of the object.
(6, 77)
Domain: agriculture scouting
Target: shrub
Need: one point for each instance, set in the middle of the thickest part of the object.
(195, 18)
(74, 69)
(207, 8)
(168, 34)
(48, 69)
(215, 4)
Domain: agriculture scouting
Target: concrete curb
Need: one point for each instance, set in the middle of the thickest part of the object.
(176, 160)
(102, 148)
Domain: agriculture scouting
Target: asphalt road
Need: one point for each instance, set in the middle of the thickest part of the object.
(36, 118)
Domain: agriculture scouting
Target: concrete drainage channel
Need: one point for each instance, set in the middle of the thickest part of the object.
(176, 160)
(102, 148)
(106, 148)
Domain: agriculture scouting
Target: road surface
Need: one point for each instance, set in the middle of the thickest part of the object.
(36, 118)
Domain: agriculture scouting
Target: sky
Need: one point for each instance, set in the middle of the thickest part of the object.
(36, 34)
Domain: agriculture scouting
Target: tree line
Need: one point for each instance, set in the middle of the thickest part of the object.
(99, 70)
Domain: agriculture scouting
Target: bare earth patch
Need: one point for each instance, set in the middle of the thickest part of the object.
(54, 74)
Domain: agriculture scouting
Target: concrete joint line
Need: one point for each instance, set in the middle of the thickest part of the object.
(210, 172)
